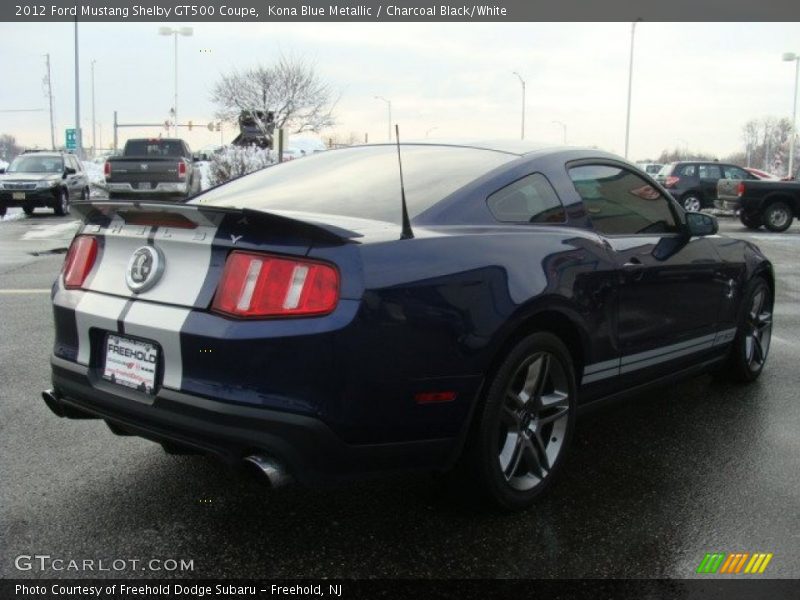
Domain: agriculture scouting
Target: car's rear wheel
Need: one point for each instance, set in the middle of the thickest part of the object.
(778, 217)
(62, 204)
(750, 347)
(692, 203)
(526, 423)
(751, 221)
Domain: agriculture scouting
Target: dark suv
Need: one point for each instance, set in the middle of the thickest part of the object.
(43, 179)
(694, 183)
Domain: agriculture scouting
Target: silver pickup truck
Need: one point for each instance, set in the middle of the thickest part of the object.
(152, 168)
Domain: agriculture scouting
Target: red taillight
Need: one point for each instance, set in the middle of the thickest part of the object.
(257, 285)
(434, 397)
(671, 181)
(107, 169)
(181, 169)
(740, 189)
(79, 261)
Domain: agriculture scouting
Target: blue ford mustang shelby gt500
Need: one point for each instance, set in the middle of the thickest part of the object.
(294, 319)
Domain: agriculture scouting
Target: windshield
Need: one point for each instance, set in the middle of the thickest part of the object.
(359, 182)
(36, 164)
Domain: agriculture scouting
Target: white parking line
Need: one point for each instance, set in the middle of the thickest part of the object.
(25, 291)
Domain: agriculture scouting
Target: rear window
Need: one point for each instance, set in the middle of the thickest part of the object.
(153, 148)
(359, 182)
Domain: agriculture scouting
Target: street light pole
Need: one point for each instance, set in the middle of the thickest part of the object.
(789, 57)
(78, 136)
(630, 88)
(185, 31)
(389, 105)
(50, 98)
(564, 127)
(94, 122)
(522, 81)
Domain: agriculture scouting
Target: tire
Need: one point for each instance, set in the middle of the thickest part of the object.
(691, 202)
(778, 217)
(525, 425)
(751, 221)
(62, 204)
(3, 210)
(85, 193)
(750, 347)
(28, 210)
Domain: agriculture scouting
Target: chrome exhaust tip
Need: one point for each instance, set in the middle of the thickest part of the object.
(273, 470)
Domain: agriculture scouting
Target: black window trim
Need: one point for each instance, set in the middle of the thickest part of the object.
(674, 207)
(528, 223)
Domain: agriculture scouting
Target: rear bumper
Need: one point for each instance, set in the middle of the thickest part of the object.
(311, 451)
(159, 188)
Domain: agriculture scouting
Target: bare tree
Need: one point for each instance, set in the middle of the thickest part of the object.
(290, 88)
(767, 143)
(9, 147)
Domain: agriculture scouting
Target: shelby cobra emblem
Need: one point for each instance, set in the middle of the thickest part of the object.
(144, 268)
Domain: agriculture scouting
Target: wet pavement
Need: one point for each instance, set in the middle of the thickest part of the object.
(650, 486)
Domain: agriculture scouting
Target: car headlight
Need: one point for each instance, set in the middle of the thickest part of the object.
(43, 185)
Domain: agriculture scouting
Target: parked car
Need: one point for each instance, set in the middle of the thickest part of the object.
(771, 203)
(694, 183)
(154, 168)
(299, 321)
(651, 169)
(39, 179)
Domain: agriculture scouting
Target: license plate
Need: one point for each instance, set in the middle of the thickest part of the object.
(144, 186)
(18, 195)
(131, 363)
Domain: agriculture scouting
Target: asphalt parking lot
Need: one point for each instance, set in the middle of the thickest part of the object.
(651, 484)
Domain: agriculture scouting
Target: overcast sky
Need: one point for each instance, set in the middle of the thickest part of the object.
(694, 83)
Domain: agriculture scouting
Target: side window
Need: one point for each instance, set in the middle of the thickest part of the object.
(710, 172)
(732, 172)
(528, 200)
(620, 202)
(689, 171)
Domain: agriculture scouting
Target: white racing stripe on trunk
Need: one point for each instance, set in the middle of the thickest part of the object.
(161, 324)
(187, 257)
(95, 311)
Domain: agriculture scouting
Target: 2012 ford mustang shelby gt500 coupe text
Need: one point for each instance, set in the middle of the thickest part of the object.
(295, 320)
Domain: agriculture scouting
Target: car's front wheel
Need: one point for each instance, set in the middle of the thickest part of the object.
(778, 217)
(526, 422)
(28, 210)
(62, 204)
(692, 203)
(750, 347)
(751, 221)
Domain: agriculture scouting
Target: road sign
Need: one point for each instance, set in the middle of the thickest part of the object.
(71, 141)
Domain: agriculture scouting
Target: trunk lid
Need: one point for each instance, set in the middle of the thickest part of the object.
(192, 243)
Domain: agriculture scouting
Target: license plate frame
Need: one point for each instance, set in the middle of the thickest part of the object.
(18, 195)
(144, 185)
(131, 362)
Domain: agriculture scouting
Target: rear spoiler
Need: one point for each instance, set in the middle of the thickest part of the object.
(169, 213)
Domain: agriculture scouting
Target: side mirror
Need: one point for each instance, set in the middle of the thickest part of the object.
(699, 224)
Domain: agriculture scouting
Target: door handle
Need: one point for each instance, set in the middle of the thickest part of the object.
(633, 263)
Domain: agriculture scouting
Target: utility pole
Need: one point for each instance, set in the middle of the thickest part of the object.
(78, 136)
(94, 123)
(522, 81)
(630, 87)
(50, 98)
